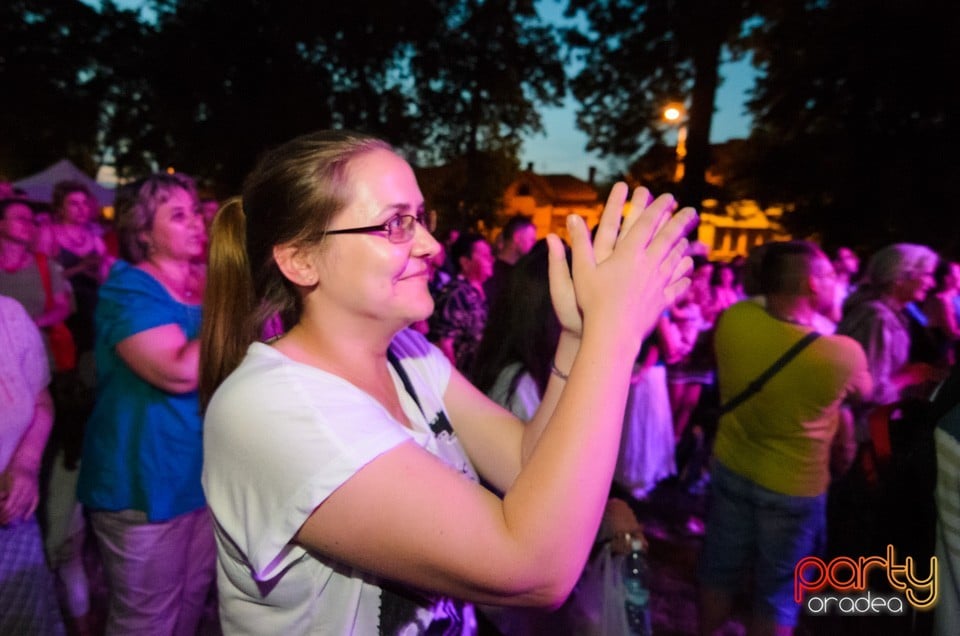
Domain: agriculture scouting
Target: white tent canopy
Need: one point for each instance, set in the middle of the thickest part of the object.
(39, 186)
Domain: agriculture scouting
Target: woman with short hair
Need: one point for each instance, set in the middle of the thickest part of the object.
(142, 452)
(874, 316)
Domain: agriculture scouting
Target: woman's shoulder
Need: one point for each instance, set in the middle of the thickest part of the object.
(414, 351)
(125, 278)
(290, 399)
(267, 376)
(13, 315)
(413, 343)
(262, 362)
(124, 271)
(860, 309)
(265, 380)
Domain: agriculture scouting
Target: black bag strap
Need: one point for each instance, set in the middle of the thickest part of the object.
(764, 377)
(407, 385)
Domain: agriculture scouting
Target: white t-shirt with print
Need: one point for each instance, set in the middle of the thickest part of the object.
(279, 438)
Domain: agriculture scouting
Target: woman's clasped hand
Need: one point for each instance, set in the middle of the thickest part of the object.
(638, 262)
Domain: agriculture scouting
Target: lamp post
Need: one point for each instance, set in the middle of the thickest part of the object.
(674, 114)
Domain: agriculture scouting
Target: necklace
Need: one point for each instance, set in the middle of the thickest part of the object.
(187, 289)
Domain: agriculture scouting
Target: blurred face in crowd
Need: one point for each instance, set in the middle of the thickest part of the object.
(726, 276)
(209, 209)
(177, 232)
(479, 266)
(952, 279)
(823, 282)
(701, 276)
(847, 262)
(914, 285)
(524, 238)
(75, 209)
(18, 224)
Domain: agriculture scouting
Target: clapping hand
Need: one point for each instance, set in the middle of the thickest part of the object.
(630, 272)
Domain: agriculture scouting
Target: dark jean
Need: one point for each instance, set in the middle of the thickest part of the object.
(752, 528)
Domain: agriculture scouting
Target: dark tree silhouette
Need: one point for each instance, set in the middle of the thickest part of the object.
(638, 57)
(48, 71)
(479, 80)
(855, 121)
(219, 81)
(211, 83)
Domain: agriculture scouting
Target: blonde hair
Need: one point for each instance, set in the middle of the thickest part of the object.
(290, 197)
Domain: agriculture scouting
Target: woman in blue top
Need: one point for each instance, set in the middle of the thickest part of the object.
(142, 454)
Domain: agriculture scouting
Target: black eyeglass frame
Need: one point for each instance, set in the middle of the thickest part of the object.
(423, 218)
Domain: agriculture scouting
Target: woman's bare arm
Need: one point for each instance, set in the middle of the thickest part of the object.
(163, 357)
(409, 517)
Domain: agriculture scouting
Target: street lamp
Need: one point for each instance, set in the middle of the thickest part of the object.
(675, 114)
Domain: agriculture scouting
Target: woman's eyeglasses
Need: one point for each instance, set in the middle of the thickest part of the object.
(399, 229)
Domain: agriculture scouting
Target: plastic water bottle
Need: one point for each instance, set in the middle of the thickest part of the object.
(635, 582)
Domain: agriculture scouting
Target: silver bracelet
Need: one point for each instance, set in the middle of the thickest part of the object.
(557, 372)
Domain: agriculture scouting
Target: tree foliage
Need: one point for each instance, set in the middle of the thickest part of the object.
(226, 79)
(480, 79)
(639, 56)
(48, 63)
(855, 122)
(205, 86)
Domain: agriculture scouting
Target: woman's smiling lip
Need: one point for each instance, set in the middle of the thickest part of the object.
(418, 274)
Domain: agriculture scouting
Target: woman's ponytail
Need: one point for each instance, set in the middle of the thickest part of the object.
(229, 303)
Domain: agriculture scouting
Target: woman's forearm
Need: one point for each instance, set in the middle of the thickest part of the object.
(560, 494)
(29, 451)
(567, 348)
(163, 357)
(183, 372)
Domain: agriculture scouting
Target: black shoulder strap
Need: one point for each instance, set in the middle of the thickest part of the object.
(407, 385)
(774, 368)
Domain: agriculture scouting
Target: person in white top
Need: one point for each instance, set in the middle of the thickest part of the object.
(341, 459)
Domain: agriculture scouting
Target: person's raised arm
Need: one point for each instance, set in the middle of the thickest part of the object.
(408, 517)
(489, 434)
(565, 298)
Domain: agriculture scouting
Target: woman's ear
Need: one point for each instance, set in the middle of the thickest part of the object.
(143, 237)
(295, 264)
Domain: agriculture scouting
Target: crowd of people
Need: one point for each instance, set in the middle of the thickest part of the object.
(229, 399)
